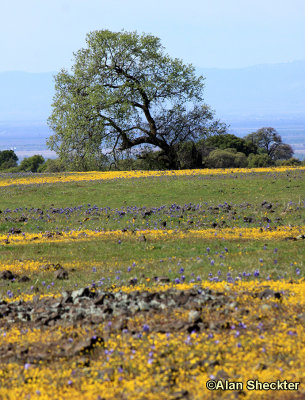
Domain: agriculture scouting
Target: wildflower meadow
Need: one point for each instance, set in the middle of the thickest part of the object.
(153, 285)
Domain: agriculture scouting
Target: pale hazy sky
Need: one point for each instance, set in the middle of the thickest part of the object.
(41, 35)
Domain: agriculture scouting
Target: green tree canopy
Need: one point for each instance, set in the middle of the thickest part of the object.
(231, 141)
(8, 159)
(265, 139)
(125, 91)
(270, 142)
(31, 164)
(220, 159)
(259, 160)
(281, 151)
(228, 158)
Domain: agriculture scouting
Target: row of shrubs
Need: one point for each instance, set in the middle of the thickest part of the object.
(216, 159)
(9, 162)
(227, 158)
(222, 151)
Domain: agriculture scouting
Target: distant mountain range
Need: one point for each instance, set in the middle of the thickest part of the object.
(253, 97)
(262, 92)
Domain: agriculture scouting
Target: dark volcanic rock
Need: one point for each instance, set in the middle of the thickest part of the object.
(61, 274)
(7, 275)
(163, 279)
(24, 278)
(86, 345)
(267, 205)
(15, 231)
(94, 307)
(142, 238)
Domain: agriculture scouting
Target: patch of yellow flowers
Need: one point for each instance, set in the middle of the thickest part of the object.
(110, 175)
(157, 366)
(280, 232)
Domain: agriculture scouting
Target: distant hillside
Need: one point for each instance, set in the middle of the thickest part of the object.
(263, 91)
(260, 92)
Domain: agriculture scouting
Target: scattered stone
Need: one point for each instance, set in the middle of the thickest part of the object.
(61, 274)
(300, 237)
(104, 298)
(183, 394)
(193, 316)
(222, 375)
(24, 278)
(66, 297)
(266, 294)
(46, 267)
(85, 346)
(301, 317)
(22, 219)
(83, 292)
(15, 231)
(82, 235)
(142, 238)
(95, 307)
(163, 279)
(48, 235)
(7, 275)
(265, 308)
(267, 205)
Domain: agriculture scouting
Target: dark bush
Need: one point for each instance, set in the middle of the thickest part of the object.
(31, 164)
(8, 159)
(220, 159)
(51, 165)
(281, 151)
(240, 160)
(188, 156)
(259, 160)
(292, 161)
(230, 141)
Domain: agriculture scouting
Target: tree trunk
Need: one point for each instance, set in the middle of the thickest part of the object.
(172, 156)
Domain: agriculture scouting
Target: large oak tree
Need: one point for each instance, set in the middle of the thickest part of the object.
(124, 92)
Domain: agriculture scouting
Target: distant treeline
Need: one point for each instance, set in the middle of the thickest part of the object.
(262, 148)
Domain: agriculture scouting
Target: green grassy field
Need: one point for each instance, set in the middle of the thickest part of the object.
(156, 203)
(157, 191)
